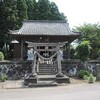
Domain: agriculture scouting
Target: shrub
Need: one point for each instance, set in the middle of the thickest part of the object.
(1, 56)
(82, 73)
(85, 77)
(3, 77)
(91, 78)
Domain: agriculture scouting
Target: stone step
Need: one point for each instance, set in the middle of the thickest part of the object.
(43, 84)
(46, 69)
(46, 66)
(46, 77)
(48, 73)
(51, 73)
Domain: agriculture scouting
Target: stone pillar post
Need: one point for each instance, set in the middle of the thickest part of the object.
(32, 78)
(59, 74)
(34, 64)
(98, 72)
(60, 77)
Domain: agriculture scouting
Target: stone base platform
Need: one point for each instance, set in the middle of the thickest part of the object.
(45, 80)
(40, 80)
(64, 79)
(43, 84)
(28, 81)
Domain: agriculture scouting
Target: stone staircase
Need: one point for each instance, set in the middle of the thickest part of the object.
(46, 76)
(46, 69)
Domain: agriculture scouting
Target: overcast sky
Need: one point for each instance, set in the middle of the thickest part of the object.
(80, 11)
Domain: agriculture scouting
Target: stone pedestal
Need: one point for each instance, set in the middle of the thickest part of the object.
(32, 79)
(64, 79)
(98, 72)
(60, 74)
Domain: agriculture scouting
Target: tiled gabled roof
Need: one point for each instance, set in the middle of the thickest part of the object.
(44, 27)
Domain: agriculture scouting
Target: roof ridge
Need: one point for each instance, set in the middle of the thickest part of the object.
(46, 21)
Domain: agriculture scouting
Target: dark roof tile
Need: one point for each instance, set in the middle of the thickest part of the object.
(44, 27)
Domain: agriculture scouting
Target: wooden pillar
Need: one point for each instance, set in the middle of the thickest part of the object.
(22, 50)
(68, 51)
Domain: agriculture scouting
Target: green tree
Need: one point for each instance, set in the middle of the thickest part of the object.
(11, 14)
(91, 32)
(54, 12)
(22, 11)
(14, 12)
(72, 52)
(45, 10)
(2, 24)
(83, 50)
(31, 8)
(8, 19)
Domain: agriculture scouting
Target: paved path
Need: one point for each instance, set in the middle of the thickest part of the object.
(70, 92)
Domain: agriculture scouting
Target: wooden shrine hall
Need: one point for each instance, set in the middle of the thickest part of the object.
(41, 31)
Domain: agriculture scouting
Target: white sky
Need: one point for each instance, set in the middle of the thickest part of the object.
(79, 12)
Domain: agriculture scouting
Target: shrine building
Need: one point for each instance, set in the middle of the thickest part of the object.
(47, 38)
(41, 31)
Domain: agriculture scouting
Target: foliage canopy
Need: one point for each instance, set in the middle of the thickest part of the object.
(14, 12)
(91, 33)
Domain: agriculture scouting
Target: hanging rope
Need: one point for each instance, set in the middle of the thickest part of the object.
(46, 58)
